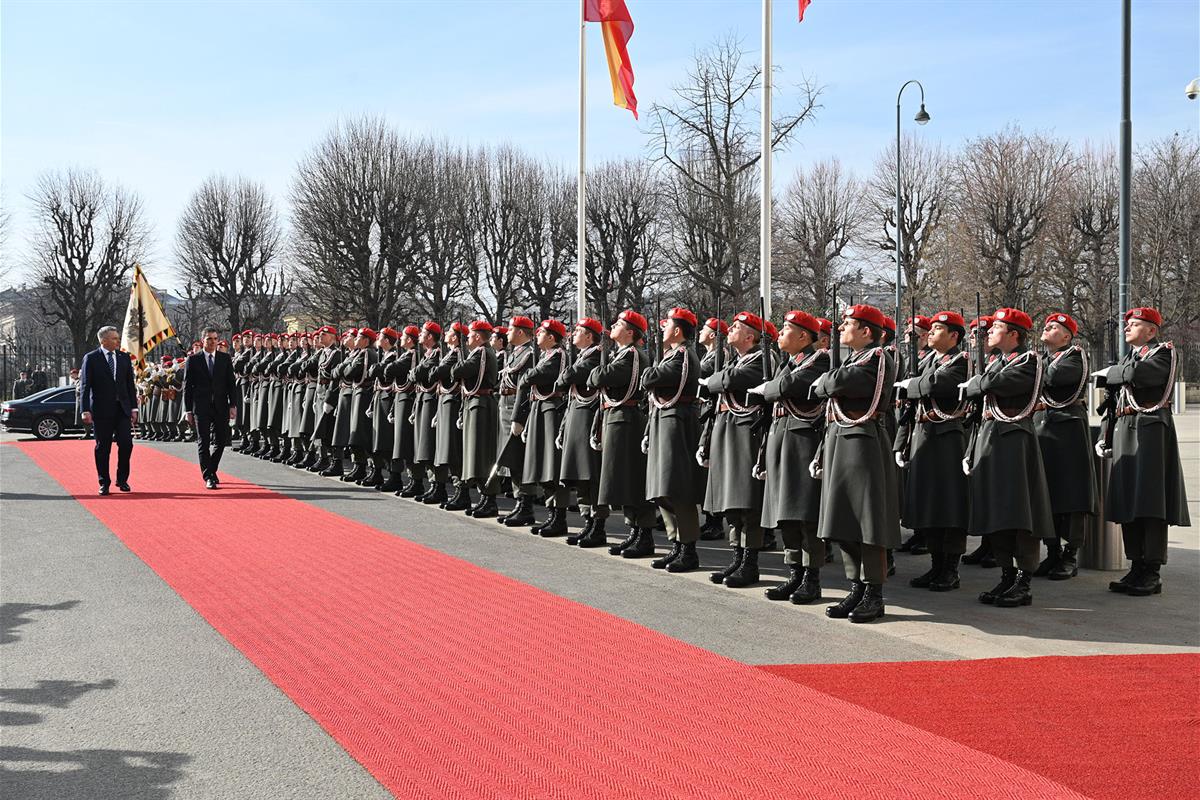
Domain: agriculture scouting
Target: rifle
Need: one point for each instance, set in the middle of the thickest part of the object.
(714, 402)
(1108, 408)
(764, 341)
(975, 415)
(816, 466)
(596, 436)
(908, 414)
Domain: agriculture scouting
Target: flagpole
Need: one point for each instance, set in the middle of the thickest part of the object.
(764, 225)
(581, 199)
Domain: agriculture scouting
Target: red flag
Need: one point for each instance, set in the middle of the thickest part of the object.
(803, 5)
(617, 27)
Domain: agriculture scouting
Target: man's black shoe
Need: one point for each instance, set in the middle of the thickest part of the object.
(124, 487)
(210, 484)
(103, 491)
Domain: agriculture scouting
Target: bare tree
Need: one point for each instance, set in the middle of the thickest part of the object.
(6, 264)
(923, 188)
(446, 256)
(1007, 185)
(624, 223)
(228, 246)
(707, 139)
(1166, 237)
(823, 211)
(547, 250)
(358, 215)
(88, 237)
(500, 176)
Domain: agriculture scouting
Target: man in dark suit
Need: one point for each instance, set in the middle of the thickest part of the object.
(210, 400)
(107, 402)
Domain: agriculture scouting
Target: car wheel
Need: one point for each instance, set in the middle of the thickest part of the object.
(47, 428)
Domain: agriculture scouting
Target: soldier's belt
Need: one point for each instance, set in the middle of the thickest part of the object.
(628, 403)
(480, 393)
(1129, 412)
(1010, 413)
(508, 392)
(780, 411)
(1043, 407)
(726, 407)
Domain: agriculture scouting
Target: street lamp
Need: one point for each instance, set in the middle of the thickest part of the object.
(1193, 89)
(921, 118)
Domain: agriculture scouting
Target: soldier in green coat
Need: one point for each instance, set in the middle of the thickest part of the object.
(936, 496)
(329, 362)
(425, 412)
(791, 495)
(716, 352)
(859, 498)
(356, 373)
(1145, 485)
(539, 412)
(379, 475)
(1065, 439)
(673, 478)
(1009, 500)
(580, 464)
(478, 377)
(733, 448)
(618, 435)
(521, 356)
(448, 447)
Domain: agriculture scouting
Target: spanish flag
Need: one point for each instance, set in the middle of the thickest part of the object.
(617, 27)
(803, 6)
(146, 324)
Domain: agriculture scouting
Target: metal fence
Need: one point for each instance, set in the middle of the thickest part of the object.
(47, 366)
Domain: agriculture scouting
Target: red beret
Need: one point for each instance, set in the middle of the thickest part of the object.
(391, 333)
(222, 342)
(920, 321)
(826, 325)
(480, 325)
(168, 359)
(985, 320)
(1145, 314)
(1065, 320)
(412, 330)
(593, 325)
(521, 322)
(684, 315)
(350, 332)
(1013, 316)
(459, 328)
(718, 325)
(554, 326)
(746, 318)
(367, 332)
(260, 336)
(501, 330)
(327, 329)
(889, 324)
(772, 331)
(432, 327)
(950, 318)
(247, 333)
(633, 318)
(804, 320)
(868, 314)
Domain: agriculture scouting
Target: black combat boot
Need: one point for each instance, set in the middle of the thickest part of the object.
(809, 590)
(556, 525)
(1007, 578)
(1051, 561)
(485, 508)
(784, 590)
(664, 561)
(719, 577)
(335, 468)
(747, 572)
(575, 538)
(1148, 581)
(871, 606)
(642, 546)
(924, 580)
(414, 488)
(356, 474)
(687, 560)
(916, 544)
(625, 543)
(395, 476)
(522, 514)
(595, 535)
(435, 495)
(1129, 579)
(460, 500)
(976, 556)
(842, 610)
(711, 530)
(947, 579)
(1068, 564)
(1018, 594)
(321, 464)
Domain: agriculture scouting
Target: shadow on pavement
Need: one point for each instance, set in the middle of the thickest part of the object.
(15, 615)
(56, 694)
(89, 774)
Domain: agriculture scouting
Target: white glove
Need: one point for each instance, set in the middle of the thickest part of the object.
(370, 413)
(516, 428)
(905, 384)
(391, 417)
(1101, 450)
(758, 474)
(701, 458)
(645, 445)
(900, 462)
(328, 408)
(759, 390)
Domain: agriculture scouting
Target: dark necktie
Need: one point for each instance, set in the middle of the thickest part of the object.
(112, 364)
(210, 364)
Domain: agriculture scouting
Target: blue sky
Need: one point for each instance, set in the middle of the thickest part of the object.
(158, 95)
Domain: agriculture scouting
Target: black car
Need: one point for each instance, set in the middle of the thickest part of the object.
(47, 414)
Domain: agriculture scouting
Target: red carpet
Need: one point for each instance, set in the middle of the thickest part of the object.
(447, 680)
(1108, 726)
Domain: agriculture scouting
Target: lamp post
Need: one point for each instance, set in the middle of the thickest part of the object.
(921, 118)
